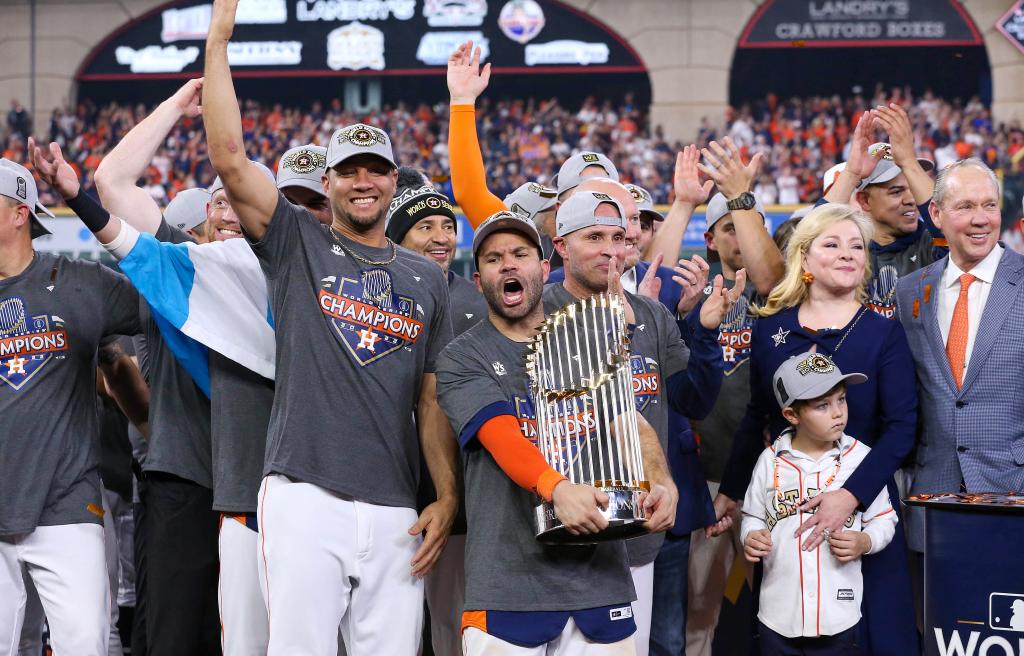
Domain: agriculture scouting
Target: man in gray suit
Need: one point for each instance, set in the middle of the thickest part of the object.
(964, 319)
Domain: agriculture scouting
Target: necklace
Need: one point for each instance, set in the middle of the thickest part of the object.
(860, 313)
(782, 503)
(366, 260)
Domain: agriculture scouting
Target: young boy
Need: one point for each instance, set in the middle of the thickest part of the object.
(810, 600)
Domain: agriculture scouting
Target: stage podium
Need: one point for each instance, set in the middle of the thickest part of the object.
(973, 574)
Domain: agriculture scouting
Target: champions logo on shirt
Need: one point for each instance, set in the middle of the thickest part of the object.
(734, 335)
(882, 292)
(576, 426)
(646, 381)
(27, 343)
(371, 320)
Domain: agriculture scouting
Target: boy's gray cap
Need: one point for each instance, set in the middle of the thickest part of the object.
(18, 184)
(886, 169)
(808, 376)
(218, 185)
(359, 139)
(530, 199)
(188, 208)
(506, 220)
(644, 202)
(570, 175)
(718, 207)
(303, 166)
(580, 212)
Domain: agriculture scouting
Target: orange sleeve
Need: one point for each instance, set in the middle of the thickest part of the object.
(519, 459)
(469, 179)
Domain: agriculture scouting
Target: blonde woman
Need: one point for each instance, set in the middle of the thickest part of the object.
(819, 306)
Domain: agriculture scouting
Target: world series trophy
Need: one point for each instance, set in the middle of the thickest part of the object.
(582, 388)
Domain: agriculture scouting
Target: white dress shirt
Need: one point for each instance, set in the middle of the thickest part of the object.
(977, 296)
(629, 282)
(809, 593)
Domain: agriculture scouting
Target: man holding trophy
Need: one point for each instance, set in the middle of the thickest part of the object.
(568, 591)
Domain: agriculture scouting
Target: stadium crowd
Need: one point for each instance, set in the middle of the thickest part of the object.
(526, 139)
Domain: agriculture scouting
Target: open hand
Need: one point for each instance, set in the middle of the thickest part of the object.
(894, 120)
(466, 79)
(53, 169)
(650, 284)
(834, 508)
(686, 180)
(727, 168)
(721, 300)
(435, 523)
(692, 276)
(861, 162)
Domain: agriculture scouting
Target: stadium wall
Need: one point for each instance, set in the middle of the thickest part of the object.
(687, 46)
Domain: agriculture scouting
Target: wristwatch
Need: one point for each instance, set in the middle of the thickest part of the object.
(744, 201)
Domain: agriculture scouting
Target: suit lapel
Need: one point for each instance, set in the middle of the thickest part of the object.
(1000, 300)
(930, 318)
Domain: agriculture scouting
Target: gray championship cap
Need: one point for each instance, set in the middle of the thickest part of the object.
(359, 139)
(718, 207)
(218, 185)
(506, 220)
(580, 212)
(644, 202)
(886, 169)
(571, 174)
(303, 166)
(808, 376)
(188, 208)
(18, 184)
(530, 199)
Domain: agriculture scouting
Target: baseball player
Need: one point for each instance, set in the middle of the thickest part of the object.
(524, 597)
(811, 457)
(892, 185)
(53, 314)
(590, 249)
(359, 324)
(240, 399)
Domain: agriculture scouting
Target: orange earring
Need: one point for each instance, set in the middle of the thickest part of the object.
(807, 277)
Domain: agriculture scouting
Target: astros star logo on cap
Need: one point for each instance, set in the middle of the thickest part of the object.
(304, 161)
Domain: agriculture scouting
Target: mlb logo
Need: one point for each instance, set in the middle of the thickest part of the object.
(1006, 611)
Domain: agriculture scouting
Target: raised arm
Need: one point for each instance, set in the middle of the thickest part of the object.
(119, 171)
(466, 81)
(761, 257)
(253, 196)
(689, 193)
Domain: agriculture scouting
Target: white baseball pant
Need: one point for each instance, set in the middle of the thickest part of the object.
(571, 642)
(711, 561)
(68, 568)
(326, 560)
(243, 614)
(643, 582)
(446, 595)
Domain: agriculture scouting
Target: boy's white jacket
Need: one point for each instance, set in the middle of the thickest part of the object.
(809, 593)
(214, 293)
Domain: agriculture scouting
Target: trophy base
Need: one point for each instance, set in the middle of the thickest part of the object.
(624, 514)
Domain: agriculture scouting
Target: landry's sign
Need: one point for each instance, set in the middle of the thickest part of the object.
(845, 23)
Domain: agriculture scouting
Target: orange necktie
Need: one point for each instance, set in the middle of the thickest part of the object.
(956, 344)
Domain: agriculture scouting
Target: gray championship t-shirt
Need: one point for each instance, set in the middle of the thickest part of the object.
(53, 316)
(353, 342)
(506, 567)
(241, 402)
(716, 431)
(468, 304)
(179, 412)
(887, 266)
(656, 353)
